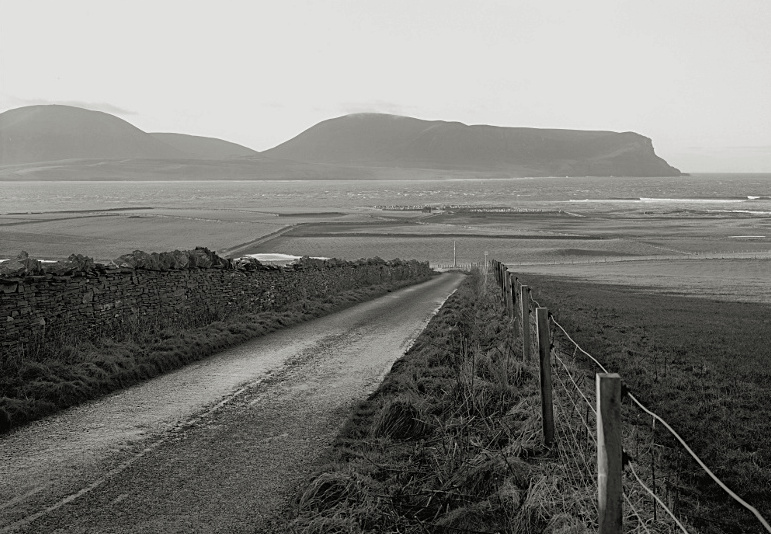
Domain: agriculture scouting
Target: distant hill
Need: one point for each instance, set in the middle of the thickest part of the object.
(50, 133)
(65, 142)
(372, 139)
(204, 147)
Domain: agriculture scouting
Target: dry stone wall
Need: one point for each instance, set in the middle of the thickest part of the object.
(99, 299)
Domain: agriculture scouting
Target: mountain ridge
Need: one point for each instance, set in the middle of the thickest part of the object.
(43, 134)
(393, 140)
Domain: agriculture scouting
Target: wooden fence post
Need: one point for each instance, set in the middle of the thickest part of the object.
(514, 302)
(544, 350)
(505, 290)
(509, 300)
(524, 301)
(609, 452)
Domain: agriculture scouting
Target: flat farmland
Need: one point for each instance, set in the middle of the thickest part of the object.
(438, 249)
(740, 279)
(715, 257)
(722, 256)
(106, 236)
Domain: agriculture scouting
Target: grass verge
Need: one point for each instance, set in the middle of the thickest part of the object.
(61, 370)
(449, 442)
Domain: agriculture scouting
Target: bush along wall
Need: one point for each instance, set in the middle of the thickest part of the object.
(90, 299)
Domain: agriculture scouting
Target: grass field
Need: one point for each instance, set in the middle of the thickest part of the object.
(704, 365)
(729, 280)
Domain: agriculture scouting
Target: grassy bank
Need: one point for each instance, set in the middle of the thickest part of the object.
(703, 365)
(61, 370)
(449, 442)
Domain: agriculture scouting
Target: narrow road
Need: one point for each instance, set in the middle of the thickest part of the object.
(219, 446)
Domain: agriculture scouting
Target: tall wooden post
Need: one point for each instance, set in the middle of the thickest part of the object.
(509, 301)
(514, 301)
(544, 351)
(517, 290)
(609, 452)
(524, 301)
(503, 283)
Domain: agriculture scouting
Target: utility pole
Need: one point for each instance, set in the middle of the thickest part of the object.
(454, 259)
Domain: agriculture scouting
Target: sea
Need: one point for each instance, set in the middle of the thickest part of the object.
(740, 193)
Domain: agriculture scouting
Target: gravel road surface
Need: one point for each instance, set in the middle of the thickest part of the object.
(218, 446)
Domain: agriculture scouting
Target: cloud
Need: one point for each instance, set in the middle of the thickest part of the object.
(12, 101)
(374, 106)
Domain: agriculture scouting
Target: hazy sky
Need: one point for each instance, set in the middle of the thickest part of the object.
(694, 75)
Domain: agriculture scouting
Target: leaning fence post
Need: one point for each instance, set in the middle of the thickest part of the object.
(524, 300)
(609, 452)
(544, 350)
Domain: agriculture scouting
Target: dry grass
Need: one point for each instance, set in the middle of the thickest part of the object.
(450, 442)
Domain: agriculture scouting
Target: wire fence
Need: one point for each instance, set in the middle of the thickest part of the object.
(656, 459)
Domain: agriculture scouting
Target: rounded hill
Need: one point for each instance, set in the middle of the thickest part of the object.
(55, 132)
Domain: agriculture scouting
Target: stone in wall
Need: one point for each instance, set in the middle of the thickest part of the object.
(22, 265)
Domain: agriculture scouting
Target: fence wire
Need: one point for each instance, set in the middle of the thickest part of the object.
(577, 386)
(648, 461)
(651, 486)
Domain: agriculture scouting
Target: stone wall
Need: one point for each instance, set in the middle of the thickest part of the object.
(99, 299)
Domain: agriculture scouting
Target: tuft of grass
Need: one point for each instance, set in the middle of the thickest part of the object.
(401, 418)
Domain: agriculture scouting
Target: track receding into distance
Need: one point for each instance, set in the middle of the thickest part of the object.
(218, 446)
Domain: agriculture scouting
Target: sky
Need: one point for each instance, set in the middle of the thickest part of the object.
(693, 75)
